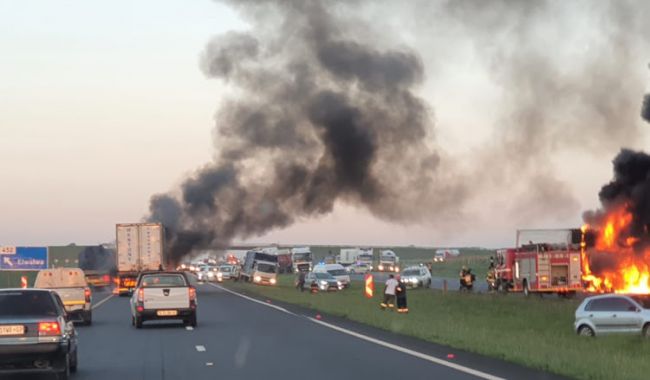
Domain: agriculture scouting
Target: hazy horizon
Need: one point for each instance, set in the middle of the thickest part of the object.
(104, 104)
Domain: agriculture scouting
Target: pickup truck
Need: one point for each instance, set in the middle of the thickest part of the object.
(70, 284)
(161, 295)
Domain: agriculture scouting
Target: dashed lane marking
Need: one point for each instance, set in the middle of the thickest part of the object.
(200, 348)
(189, 328)
(103, 301)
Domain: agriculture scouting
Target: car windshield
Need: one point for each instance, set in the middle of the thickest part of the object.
(337, 272)
(388, 258)
(28, 303)
(225, 269)
(643, 300)
(412, 272)
(266, 268)
(162, 280)
(323, 276)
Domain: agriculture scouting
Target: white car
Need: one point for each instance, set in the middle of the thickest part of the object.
(613, 313)
(336, 270)
(359, 268)
(416, 277)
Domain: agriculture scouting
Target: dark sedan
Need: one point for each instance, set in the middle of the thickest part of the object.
(35, 334)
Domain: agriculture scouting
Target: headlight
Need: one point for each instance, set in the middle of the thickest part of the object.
(210, 274)
(323, 282)
(257, 278)
(272, 281)
(219, 274)
(339, 283)
(413, 280)
(396, 269)
(381, 267)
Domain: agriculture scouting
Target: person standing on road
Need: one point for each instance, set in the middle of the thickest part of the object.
(400, 294)
(389, 293)
(301, 281)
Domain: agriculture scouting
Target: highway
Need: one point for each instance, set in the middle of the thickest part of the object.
(238, 338)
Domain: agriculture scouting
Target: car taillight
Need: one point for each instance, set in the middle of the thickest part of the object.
(87, 294)
(140, 295)
(49, 328)
(106, 278)
(192, 291)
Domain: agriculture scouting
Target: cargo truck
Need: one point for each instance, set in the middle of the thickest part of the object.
(388, 261)
(302, 259)
(260, 268)
(139, 247)
(284, 258)
(348, 256)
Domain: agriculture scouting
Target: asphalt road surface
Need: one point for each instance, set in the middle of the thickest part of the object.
(238, 338)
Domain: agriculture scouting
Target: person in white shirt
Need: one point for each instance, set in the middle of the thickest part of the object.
(389, 293)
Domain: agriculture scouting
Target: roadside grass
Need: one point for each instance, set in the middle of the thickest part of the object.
(535, 332)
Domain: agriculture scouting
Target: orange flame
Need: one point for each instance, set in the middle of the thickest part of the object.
(631, 273)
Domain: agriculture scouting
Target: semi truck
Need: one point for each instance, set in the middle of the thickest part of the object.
(366, 256)
(347, 256)
(260, 268)
(284, 258)
(388, 261)
(302, 259)
(139, 247)
(545, 261)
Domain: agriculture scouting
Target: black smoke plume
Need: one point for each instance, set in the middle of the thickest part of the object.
(629, 189)
(318, 114)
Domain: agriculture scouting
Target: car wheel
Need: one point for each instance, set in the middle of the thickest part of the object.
(65, 373)
(587, 331)
(73, 364)
(646, 330)
(138, 322)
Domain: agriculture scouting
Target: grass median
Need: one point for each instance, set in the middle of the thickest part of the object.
(533, 332)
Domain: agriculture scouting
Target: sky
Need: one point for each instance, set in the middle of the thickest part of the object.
(103, 104)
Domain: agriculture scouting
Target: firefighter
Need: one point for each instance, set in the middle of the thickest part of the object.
(300, 284)
(400, 295)
(466, 278)
(389, 293)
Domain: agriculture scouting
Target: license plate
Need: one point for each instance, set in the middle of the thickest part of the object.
(12, 330)
(167, 313)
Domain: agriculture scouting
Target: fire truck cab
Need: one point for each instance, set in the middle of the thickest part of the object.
(536, 266)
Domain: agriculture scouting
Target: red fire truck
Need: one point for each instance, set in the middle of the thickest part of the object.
(545, 261)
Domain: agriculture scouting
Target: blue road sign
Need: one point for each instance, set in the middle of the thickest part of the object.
(23, 258)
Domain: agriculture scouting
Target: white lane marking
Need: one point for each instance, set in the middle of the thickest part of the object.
(404, 350)
(253, 299)
(395, 347)
(200, 348)
(189, 328)
(209, 364)
(100, 303)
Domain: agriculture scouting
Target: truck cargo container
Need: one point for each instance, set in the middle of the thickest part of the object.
(139, 247)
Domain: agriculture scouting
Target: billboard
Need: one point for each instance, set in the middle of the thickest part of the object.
(23, 258)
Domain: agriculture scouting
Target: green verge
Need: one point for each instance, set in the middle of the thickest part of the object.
(534, 332)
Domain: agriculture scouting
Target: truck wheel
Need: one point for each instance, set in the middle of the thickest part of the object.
(138, 322)
(88, 318)
(192, 320)
(526, 289)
